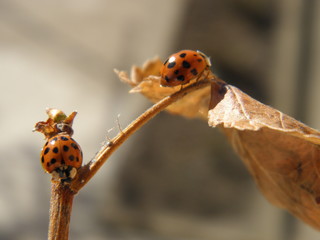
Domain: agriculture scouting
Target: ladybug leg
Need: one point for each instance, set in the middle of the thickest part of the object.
(204, 73)
(200, 75)
(208, 72)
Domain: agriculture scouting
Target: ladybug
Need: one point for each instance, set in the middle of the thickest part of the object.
(181, 67)
(61, 156)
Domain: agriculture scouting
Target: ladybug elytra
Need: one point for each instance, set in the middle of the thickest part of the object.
(61, 156)
(181, 67)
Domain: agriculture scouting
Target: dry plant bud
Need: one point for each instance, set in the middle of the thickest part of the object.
(56, 115)
(281, 153)
(57, 122)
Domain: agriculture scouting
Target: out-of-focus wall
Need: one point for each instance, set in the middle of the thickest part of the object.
(176, 178)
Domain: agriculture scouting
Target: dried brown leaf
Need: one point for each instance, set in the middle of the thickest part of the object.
(281, 153)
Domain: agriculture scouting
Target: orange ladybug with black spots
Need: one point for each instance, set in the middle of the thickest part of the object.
(61, 156)
(182, 67)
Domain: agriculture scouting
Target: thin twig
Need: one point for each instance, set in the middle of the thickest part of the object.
(90, 169)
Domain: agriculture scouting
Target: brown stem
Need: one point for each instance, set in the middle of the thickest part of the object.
(60, 211)
(88, 170)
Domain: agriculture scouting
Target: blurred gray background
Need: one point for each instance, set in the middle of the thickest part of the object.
(175, 178)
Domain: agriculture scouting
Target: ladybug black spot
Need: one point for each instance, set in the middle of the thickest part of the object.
(180, 78)
(64, 138)
(46, 151)
(42, 159)
(167, 78)
(53, 161)
(71, 157)
(176, 72)
(63, 162)
(65, 148)
(183, 55)
(77, 159)
(74, 146)
(171, 65)
(186, 64)
(194, 72)
(55, 150)
(199, 60)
